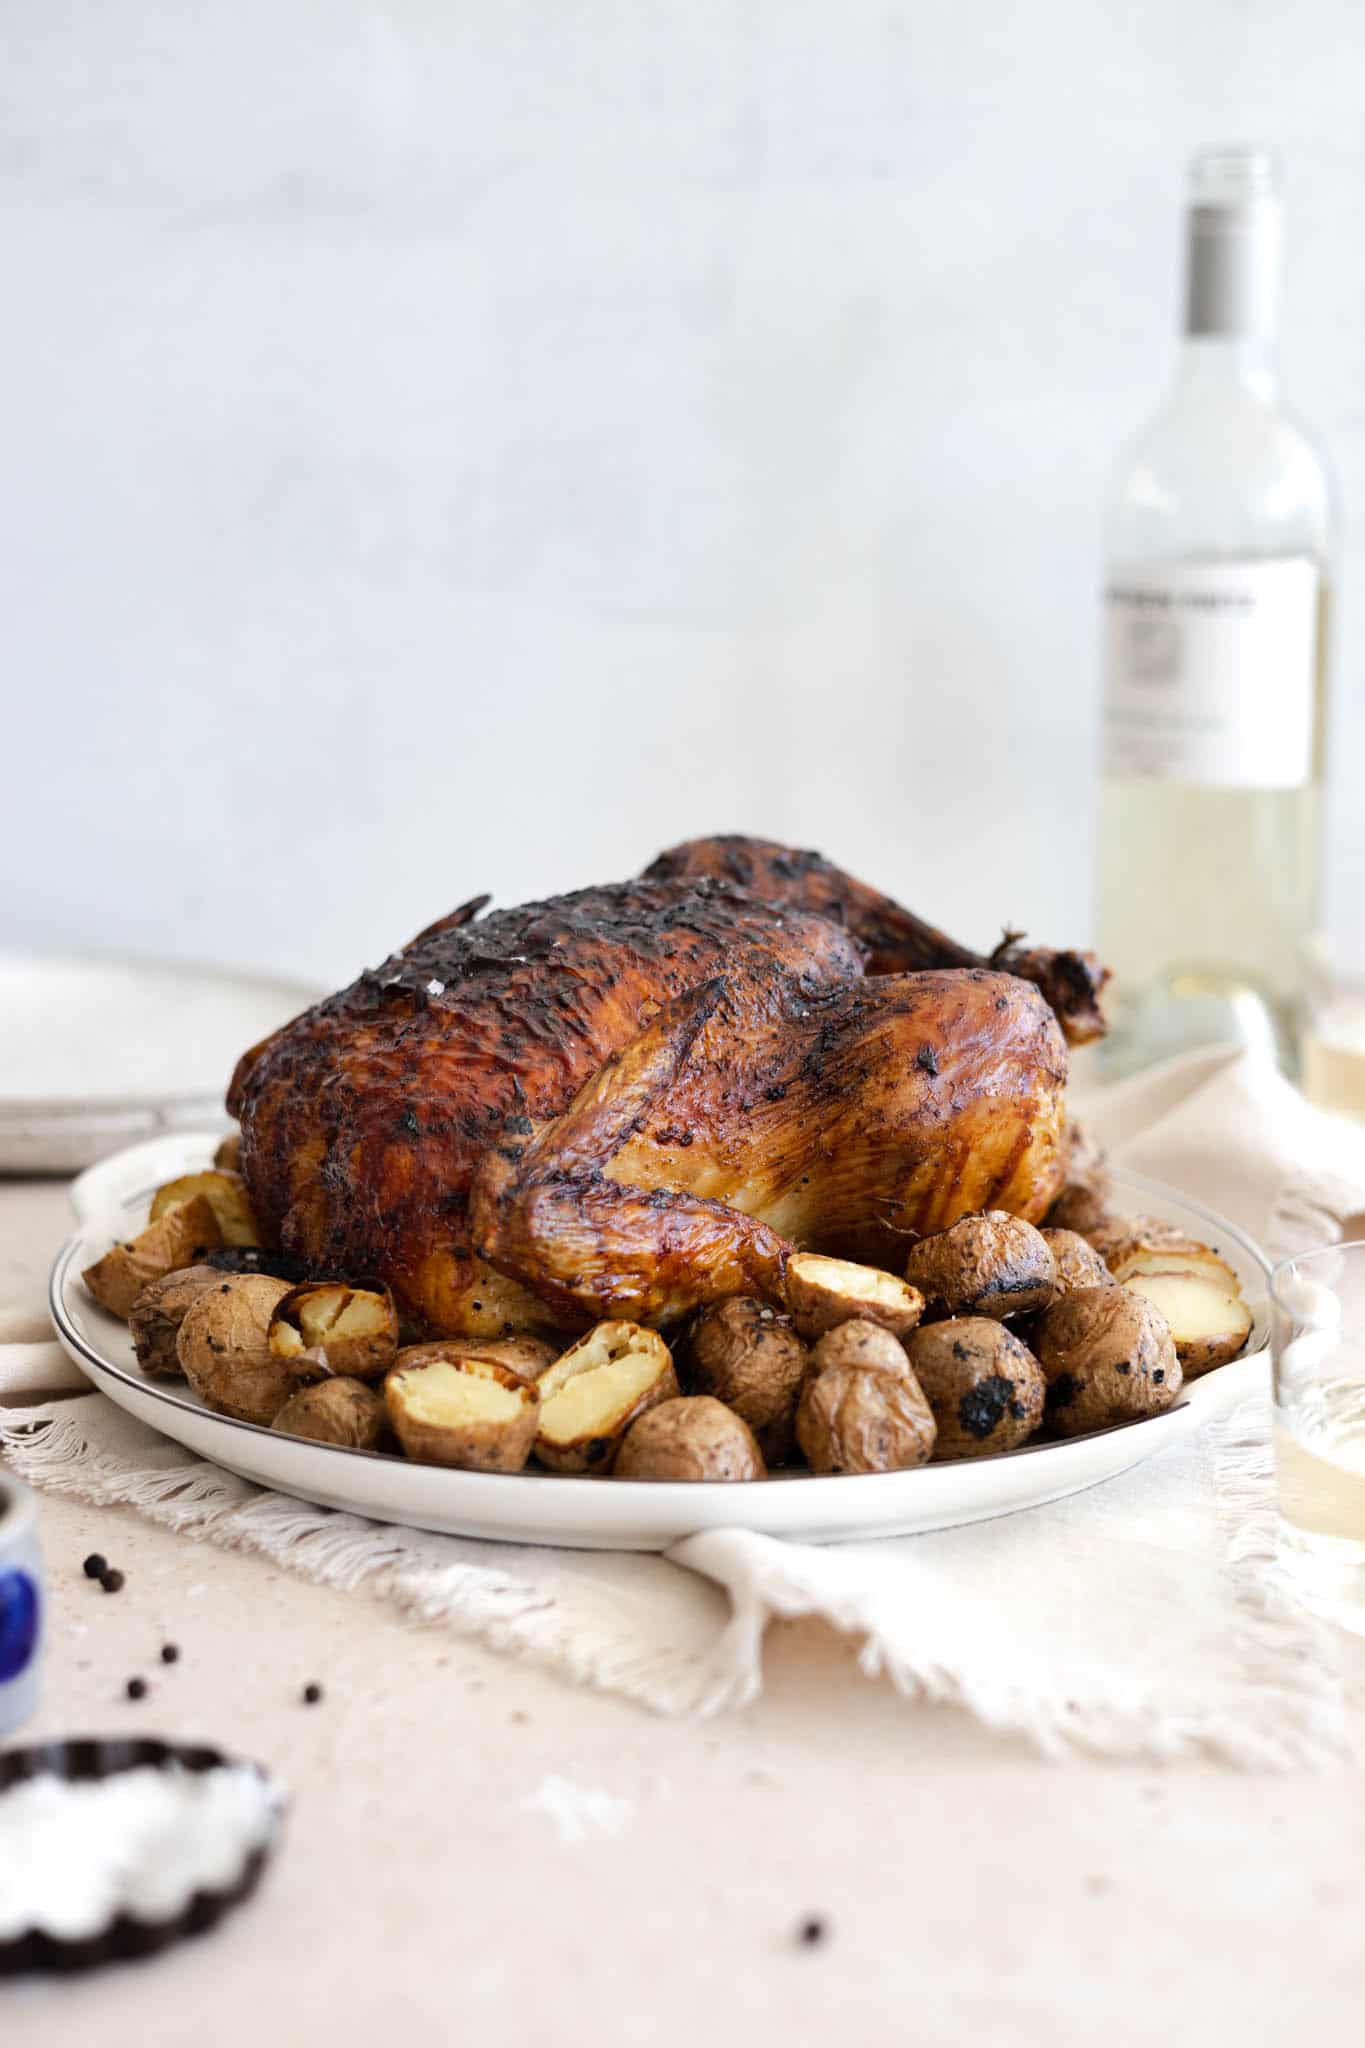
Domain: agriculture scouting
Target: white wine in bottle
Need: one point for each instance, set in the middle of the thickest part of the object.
(1218, 552)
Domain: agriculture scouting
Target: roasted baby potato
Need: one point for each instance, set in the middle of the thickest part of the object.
(229, 1153)
(988, 1265)
(1108, 1356)
(338, 1411)
(155, 1317)
(1209, 1320)
(590, 1396)
(747, 1355)
(468, 1412)
(526, 1356)
(226, 1194)
(1077, 1262)
(822, 1293)
(350, 1331)
(690, 1437)
(176, 1239)
(853, 1419)
(986, 1388)
(862, 1344)
(224, 1348)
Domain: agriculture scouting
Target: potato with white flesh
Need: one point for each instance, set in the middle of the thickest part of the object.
(746, 1353)
(1108, 1357)
(155, 1318)
(988, 1265)
(229, 1153)
(822, 1293)
(986, 1388)
(527, 1356)
(854, 1419)
(225, 1194)
(1077, 1262)
(864, 1345)
(1209, 1320)
(690, 1438)
(176, 1239)
(590, 1396)
(350, 1331)
(340, 1411)
(471, 1413)
(224, 1348)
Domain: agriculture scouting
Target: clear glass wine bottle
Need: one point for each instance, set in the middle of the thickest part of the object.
(1219, 549)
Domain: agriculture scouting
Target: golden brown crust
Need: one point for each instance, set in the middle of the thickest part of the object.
(691, 1437)
(986, 1388)
(849, 1109)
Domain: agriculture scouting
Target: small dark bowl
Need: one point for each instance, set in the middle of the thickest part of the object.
(124, 1938)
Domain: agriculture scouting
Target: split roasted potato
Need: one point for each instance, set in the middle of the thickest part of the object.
(327, 1327)
(177, 1238)
(746, 1354)
(527, 1356)
(822, 1293)
(1210, 1323)
(993, 1264)
(1108, 1356)
(690, 1437)
(854, 1418)
(468, 1412)
(985, 1388)
(339, 1411)
(226, 1195)
(155, 1317)
(592, 1394)
(224, 1350)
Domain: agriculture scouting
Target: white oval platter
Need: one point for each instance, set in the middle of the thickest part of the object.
(608, 1514)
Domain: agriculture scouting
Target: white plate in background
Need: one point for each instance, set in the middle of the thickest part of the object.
(99, 1050)
(613, 1514)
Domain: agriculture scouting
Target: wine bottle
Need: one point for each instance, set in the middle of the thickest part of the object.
(1218, 552)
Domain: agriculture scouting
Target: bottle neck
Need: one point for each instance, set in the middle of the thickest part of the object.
(1210, 363)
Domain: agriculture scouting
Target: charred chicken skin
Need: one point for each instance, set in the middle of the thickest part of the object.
(636, 1099)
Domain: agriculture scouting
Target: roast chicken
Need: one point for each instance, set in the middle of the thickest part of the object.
(636, 1099)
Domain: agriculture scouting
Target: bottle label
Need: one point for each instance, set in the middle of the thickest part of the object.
(1209, 673)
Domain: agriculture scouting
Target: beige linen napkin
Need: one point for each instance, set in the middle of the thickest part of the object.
(1141, 1619)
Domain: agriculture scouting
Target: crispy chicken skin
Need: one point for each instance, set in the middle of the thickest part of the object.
(788, 1098)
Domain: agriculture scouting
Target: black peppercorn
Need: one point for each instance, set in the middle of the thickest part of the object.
(812, 1932)
(111, 1580)
(136, 1688)
(95, 1566)
(170, 1653)
(311, 1695)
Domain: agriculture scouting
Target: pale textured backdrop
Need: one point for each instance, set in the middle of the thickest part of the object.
(471, 446)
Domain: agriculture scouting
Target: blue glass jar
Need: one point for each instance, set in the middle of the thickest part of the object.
(21, 1605)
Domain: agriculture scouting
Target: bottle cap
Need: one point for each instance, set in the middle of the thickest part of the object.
(1236, 237)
